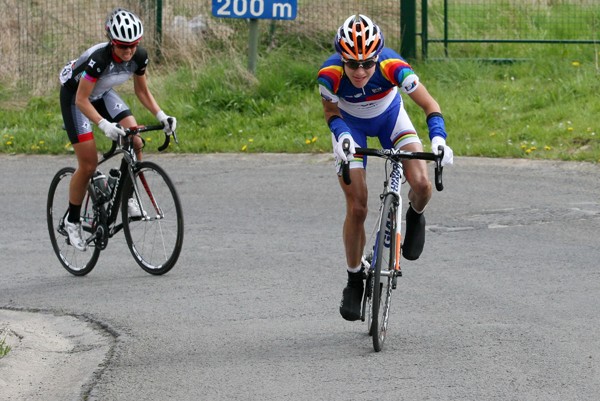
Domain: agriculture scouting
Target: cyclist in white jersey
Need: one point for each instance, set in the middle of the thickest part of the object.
(359, 90)
(87, 96)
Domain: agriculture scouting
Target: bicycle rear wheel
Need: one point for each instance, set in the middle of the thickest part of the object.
(78, 263)
(384, 259)
(155, 238)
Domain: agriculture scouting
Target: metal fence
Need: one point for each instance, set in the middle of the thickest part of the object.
(505, 28)
(40, 36)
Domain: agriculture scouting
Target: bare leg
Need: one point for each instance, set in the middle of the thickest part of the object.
(87, 160)
(129, 122)
(356, 213)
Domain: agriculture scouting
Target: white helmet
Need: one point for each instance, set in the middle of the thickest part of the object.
(123, 26)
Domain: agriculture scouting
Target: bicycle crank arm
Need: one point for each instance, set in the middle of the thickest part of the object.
(393, 273)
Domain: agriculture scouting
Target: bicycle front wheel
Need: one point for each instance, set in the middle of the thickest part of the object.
(384, 260)
(154, 232)
(78, 263)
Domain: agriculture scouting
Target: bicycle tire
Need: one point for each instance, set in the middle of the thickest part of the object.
(78, 263)
(368, 302)
(155, 241)
(385, 257)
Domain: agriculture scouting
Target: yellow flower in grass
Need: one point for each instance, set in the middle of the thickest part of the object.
(576, 64)
(244, 148)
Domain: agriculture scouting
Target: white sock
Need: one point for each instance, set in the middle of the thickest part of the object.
(354, 269)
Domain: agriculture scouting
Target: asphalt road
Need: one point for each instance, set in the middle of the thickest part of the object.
(502, 305)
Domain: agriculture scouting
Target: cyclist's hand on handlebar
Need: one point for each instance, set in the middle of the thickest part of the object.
(111, 130)
(339, 150)
(448, 158)
(170, 123)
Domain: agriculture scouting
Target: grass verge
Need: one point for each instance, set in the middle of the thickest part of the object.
(539, 108)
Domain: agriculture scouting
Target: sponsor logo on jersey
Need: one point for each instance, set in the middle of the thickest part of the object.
(410, 86)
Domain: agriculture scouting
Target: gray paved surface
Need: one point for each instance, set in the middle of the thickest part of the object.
(503, 304)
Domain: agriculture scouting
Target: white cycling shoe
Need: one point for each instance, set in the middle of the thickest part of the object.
(74, 232)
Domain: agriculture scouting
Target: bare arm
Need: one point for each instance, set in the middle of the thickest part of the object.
(423, 99)
(140, 86)
(82, 100)
(330, 109)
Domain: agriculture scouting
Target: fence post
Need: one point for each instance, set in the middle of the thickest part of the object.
(252, 44)
(408, 29)
(424, 25)
(158, 38)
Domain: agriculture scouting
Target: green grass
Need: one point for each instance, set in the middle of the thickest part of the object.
(4, 348)
(545, 107)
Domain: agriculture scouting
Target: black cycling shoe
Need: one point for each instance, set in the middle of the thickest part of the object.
(352, 297)
(414, 238)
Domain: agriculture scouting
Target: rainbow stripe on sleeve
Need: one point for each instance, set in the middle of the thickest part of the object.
(330, 77)
(396, 70)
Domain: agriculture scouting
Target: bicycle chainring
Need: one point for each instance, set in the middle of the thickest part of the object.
(102, 236)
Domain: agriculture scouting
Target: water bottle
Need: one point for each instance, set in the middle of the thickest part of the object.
(113, 177)
(100, 186)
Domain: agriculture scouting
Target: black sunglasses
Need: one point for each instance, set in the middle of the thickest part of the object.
(355, 65)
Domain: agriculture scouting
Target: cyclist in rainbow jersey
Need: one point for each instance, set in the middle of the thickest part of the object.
(359, 92)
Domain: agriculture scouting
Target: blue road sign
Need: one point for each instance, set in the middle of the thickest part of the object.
(255, 9)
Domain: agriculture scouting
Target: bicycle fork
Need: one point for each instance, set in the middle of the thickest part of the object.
(395, 222)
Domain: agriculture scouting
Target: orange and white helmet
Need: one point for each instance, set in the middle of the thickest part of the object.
(358, 39)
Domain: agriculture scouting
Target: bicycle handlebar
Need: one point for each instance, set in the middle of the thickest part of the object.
(396, 155)
(143, 128)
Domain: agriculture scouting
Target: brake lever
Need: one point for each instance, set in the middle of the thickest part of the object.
(439, 184)
(345, 164)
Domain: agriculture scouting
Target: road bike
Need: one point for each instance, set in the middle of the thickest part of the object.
(153, 225)
(381, 256)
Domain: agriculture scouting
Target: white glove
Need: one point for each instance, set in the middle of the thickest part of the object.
(170, 123)
(448, 158)
(339, 152)
(111, 130)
